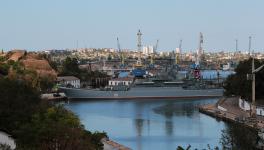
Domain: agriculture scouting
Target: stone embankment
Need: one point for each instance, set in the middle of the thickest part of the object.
(111, 145)
(228, 109)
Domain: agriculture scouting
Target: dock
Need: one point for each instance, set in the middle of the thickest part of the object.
(54, 96)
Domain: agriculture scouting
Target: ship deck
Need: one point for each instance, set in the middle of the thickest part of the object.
(143, 93)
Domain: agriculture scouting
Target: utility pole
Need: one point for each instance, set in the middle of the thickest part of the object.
(237, 54)
(253, 113)
(249, 45)
(254, 71)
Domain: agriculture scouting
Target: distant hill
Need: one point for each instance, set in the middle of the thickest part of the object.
(33, 62)
(15, 55)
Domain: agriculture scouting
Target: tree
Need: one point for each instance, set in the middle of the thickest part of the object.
(18, 101)
(237, 84)
(57, 128)
(46, 84)
(70, 67)
(4, 69)
(38, 124)
(5, 147)
(2, 58)
(237, 137)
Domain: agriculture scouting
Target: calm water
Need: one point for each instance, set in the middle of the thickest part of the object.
(155, 125)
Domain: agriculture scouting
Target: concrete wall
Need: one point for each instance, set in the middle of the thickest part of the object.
(221, 108)
(260, 111)
(6, 139)
(244, 105)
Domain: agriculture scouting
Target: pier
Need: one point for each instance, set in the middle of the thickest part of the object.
(54, 96)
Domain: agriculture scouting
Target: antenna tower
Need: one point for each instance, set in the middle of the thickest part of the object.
(139, 34)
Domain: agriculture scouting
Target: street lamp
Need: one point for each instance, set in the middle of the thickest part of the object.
(254, 71)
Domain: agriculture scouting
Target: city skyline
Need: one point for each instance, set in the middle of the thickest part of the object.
(60, 24)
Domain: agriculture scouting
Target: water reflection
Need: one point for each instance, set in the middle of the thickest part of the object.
(139, 128)
(169, 127)
(174, 109)
(155, 125)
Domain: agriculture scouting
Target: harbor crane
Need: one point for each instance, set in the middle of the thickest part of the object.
(199, 51)
(178, 53)
(199, 56)
(236, 45)
(153, 54)
(121, 53)
(156, 46)
(139, 45)
(180, 45)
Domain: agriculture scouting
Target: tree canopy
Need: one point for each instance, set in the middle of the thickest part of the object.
(70, 67)
(237, 84)
(38, 124)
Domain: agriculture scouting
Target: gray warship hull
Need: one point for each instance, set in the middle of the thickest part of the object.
(142, 93)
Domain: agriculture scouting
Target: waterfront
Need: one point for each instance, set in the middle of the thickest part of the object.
(159, 124)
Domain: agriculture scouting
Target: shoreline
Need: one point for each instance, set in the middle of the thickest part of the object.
(232, 114)
(144, 98)
(112, 145)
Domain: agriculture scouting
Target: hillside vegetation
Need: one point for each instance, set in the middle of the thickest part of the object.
(30, 67)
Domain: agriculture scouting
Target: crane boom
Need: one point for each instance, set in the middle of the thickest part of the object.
(156, 46)
(118, 45)
(180, 45)
(121, 54)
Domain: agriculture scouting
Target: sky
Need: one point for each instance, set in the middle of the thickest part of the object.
(59, 24)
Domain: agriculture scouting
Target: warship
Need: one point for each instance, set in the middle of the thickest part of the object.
(142, 93)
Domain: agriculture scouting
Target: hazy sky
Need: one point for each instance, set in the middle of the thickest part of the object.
(47, 24)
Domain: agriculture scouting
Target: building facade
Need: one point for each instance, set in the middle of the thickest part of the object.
(69, 81)
(120, 81)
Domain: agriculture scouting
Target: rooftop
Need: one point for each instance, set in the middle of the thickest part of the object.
(122, 79)
(67, 78)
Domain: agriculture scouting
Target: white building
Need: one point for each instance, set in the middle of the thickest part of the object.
(7, 140)
(246, 106)
(120, 81)
(69, 81)
(147, 50)
(178, 50)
